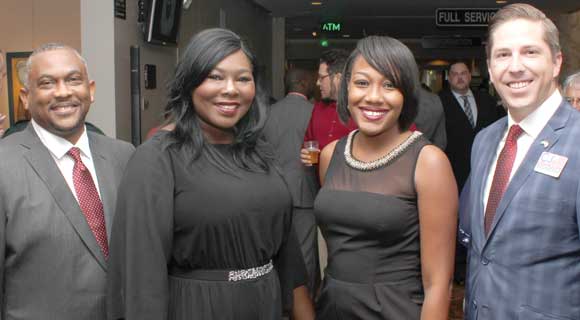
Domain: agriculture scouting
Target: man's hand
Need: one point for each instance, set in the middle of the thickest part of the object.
(305, 157)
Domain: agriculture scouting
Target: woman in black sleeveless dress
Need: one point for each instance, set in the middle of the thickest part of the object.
(203, 228)
(387, 207)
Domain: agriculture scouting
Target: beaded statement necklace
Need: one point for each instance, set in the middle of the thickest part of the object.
(382, 161)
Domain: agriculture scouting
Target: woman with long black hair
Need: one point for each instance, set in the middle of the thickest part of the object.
(203, 227)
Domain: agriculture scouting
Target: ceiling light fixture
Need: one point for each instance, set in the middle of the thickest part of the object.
(500, 1)
(438, 62)
(314, 34)
(346, 35)
(316, 3)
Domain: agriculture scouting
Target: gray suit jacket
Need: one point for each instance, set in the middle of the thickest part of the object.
(430, 118)
(285, 130)
(529, 266)
(51, 264)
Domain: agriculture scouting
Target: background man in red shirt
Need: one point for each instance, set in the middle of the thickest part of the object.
(324, 125)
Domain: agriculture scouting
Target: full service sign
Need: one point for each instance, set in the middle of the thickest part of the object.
(464, 17)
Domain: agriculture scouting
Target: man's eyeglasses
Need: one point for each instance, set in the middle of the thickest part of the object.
(572, 100)
(321, 77)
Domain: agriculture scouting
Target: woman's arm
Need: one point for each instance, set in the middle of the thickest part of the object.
(437, 202)
(303, 308)
(141, 238)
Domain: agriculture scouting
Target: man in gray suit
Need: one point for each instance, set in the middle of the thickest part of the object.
(58, 188)
(520, 208)
(285, 131)
(430, 118)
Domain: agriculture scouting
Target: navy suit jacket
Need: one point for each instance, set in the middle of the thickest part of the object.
(529, 266)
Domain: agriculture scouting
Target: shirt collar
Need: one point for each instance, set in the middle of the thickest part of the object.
(537, 120)
(459, 95)
(59, 146)
(298, 94)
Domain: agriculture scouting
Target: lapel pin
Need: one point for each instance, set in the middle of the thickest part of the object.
(545, 143)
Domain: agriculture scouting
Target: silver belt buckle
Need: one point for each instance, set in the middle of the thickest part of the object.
(251, 273)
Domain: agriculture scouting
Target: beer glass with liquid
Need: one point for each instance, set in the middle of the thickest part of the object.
(313, 151)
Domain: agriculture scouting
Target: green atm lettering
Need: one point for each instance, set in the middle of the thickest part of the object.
(329, 26)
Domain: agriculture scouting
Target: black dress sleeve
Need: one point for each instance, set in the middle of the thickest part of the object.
(289, 263)
(141, 238)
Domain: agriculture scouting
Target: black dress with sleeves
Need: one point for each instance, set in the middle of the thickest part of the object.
(175, 216)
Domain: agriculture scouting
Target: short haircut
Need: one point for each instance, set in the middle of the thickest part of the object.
(50, 47)
(393, 60)
(334, 59)
(573, 79)
(527, 12)
(203, 53)
(293, 78)
(454, 62)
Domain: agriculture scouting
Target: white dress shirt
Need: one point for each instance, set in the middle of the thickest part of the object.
(58, 148)
(471, 100)
(532, 125)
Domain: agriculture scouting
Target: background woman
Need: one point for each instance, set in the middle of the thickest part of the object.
(387, 208)
(203, 226)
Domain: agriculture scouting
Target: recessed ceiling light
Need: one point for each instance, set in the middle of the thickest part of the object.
(500, 1)
(316, 3)
(438, 62)
(346, 35)
(314, 34)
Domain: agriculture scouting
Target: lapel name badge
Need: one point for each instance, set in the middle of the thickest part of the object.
(545, 143)
(551, 164)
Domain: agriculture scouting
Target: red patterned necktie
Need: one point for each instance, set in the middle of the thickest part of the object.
(501, 177)
(89, 200)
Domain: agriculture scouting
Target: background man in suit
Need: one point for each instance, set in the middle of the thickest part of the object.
(58, 188)
(285, 131)
(521, 206)
(466, 113)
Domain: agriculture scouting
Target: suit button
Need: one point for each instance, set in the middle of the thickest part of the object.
(484, 261)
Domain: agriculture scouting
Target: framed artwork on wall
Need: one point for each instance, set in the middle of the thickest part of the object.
(15, 72)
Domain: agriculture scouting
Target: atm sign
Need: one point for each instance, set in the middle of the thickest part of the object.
(331, 27)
